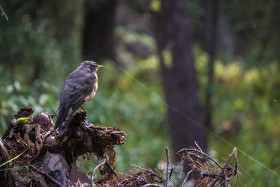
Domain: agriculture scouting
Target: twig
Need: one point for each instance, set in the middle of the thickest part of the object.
(245, 172)
(223, 169)
(93, 172)
(171, 171)
(158, 175)
(168, 163)
(112, 170)
(198, 146)
(200, 152)
(187, 176)
(223, 184)
(151, 172)
(4, 14)
(236, 164)
(152, 185)
(46, 175)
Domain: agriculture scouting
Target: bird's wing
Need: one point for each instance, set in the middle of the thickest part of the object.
(82, 87)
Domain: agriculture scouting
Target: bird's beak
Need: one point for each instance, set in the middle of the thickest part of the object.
(100, 66)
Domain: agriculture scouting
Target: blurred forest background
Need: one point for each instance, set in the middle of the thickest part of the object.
(175, 72)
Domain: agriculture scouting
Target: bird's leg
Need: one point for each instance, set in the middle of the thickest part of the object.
(82, 108)
(71, 114)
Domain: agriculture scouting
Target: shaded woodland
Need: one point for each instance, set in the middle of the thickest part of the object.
(176, 72)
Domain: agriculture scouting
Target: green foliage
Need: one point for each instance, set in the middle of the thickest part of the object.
(15, 96)
(36, 59)
(125, 99)
(155, 5)
(130, 101)
(256, 25)
(246, 105)
(32, 59)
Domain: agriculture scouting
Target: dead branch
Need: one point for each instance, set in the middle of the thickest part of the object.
(150, 171)
(56, 153)
(200, 152)
(167, 169)
(211, 175)
(4, 14)
(223, 169)
(187, 176)
(152, 185)
(46, 175)
(93, 172)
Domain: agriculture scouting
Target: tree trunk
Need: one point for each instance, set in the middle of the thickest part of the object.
(98, 32)
(180, 80)
(210, 44)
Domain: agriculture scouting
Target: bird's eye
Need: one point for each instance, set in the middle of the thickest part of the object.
(93, 67)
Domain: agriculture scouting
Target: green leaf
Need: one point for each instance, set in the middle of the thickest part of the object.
(12, 159)
(16, 167)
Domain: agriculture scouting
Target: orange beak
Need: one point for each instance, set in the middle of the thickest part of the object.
(100, 66)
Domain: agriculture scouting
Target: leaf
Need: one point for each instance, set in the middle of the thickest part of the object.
(16, 167)
(12, 159)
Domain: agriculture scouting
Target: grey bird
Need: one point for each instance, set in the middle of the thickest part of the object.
(80, 87)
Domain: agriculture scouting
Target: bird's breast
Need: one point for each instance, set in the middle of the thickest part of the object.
(94, 89)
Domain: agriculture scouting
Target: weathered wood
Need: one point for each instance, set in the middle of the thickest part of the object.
(52, 153)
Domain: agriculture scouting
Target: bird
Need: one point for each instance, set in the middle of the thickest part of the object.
(80, 87)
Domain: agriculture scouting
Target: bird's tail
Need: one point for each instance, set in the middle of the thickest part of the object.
(63, 113)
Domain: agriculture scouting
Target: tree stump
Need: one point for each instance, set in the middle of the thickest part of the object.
(43, 156)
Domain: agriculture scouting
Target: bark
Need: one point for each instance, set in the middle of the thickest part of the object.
(47, 157)
(210, 44)
(180, 80)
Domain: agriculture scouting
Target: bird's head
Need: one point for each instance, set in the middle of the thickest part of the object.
(90, 66)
